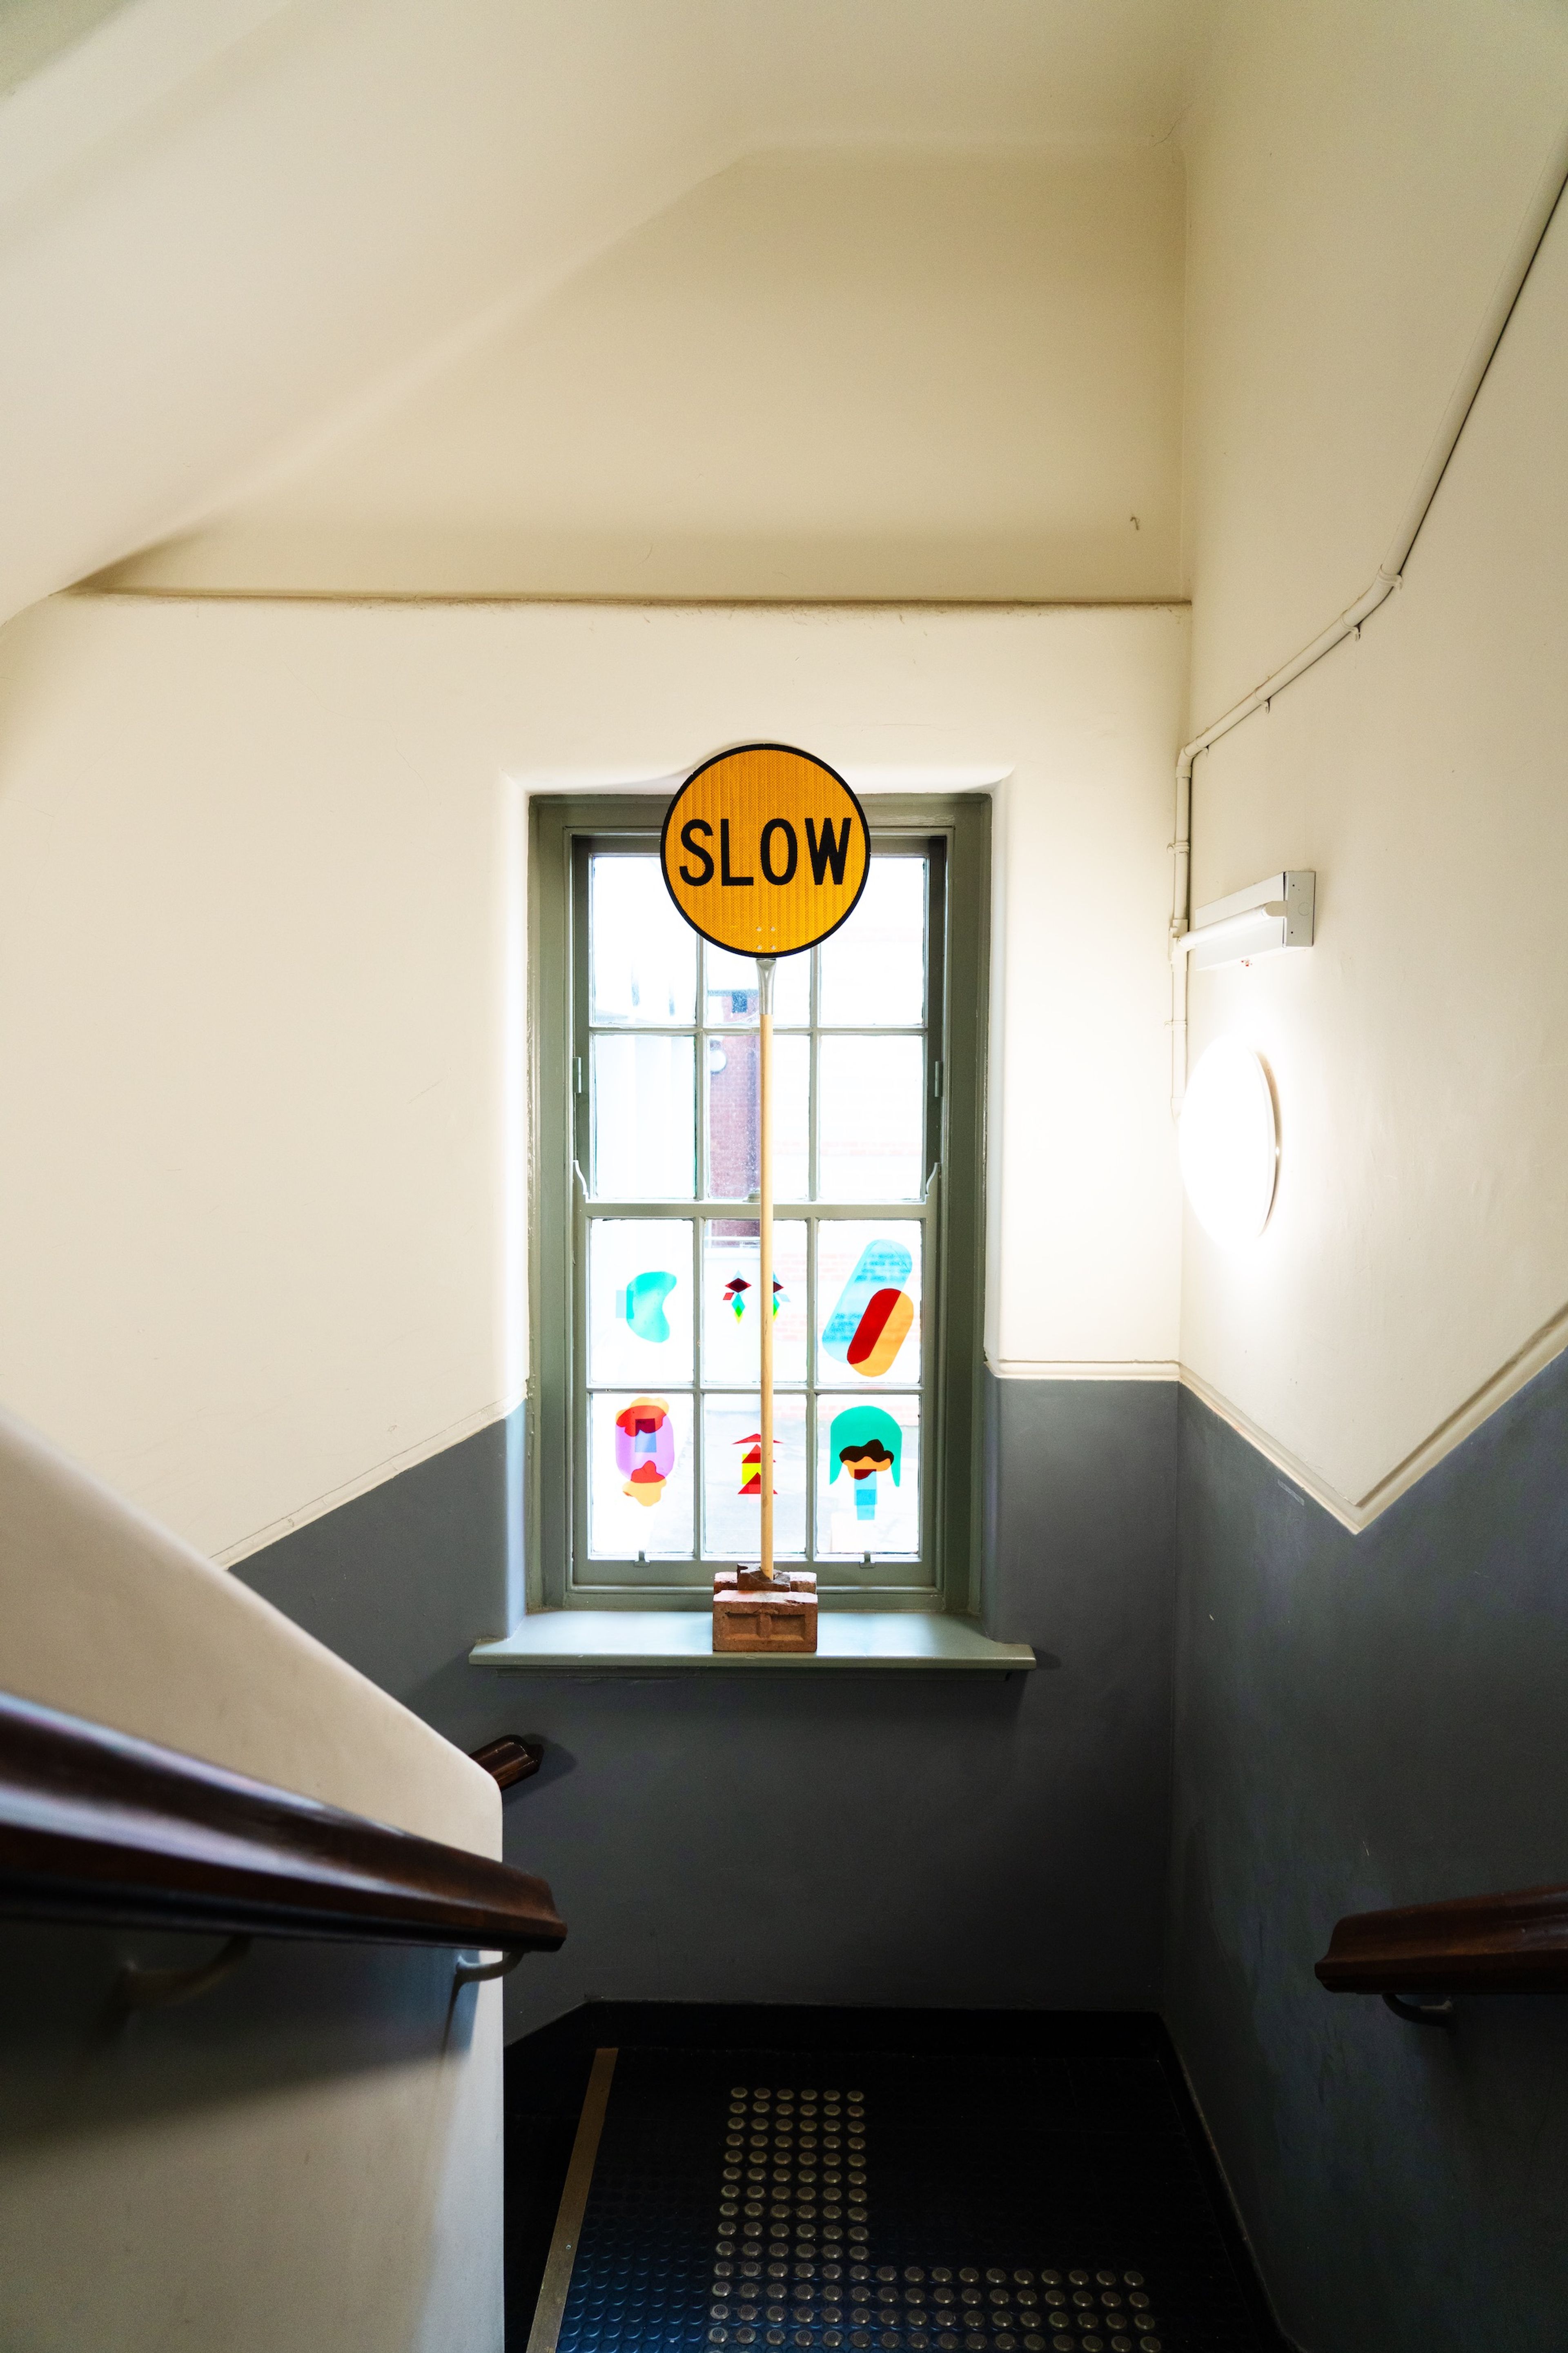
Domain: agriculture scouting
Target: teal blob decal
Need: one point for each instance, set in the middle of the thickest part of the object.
(641, 1304)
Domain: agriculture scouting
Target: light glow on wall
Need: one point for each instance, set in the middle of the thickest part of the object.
(1230, 1143)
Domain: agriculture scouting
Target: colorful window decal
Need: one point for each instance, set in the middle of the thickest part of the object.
(641, 1304)
(644, 1448)
(640, 1300)
(864, 1441)
(735, 1293)
(751, 1464)
(875, 1313)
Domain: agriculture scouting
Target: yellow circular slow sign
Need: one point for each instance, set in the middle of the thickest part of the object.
(765, 850)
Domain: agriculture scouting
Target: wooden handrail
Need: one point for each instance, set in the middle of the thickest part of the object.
(98, 1826)
(1516, 1943)
(509, 1757)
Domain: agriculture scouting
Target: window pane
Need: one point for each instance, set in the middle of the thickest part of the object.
(732, 990)
(733, 1160)
(868, 1300)
(868, 1477)
(643, 1128)
(873, 970)
(732, 1519)
(730, 1320)
(643, 955)
(871, 1119)
(640, 1301)
(640, 1477)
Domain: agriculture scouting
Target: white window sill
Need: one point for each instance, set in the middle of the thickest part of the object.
(554, 1641)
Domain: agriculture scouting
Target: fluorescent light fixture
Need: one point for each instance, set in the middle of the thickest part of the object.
(1230, 1144)
(1269, 915)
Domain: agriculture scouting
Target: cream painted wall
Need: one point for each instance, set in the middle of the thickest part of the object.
(820, 374)
(261, 886)
(1417, 1266)
(310, 2154)
(1357, 172)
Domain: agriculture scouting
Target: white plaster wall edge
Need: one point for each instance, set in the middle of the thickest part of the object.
(1358, 1513)
(1295, 1470)
(155, 592)
(894, 776)
(1354, 1513)
(453, 1435)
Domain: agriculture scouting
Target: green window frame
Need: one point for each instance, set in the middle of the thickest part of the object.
(954, 833)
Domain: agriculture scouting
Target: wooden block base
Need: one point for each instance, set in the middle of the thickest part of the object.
(750, 1614)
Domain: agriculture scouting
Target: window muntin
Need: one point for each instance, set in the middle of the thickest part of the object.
(665, 1032)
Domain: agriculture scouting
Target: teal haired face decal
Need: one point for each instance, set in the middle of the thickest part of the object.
(864, 1441)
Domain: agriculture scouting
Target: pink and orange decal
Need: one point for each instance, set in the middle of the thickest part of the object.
(881, 1332)
(644, 1448)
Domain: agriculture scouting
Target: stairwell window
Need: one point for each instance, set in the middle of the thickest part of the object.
(645, 1460)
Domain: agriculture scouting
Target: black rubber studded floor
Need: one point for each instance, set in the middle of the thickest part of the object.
(892, 2204)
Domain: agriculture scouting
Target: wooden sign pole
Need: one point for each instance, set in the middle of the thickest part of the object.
(765, 850)
(765, 966)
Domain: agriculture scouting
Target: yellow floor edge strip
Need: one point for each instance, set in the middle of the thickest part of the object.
(567, 2233)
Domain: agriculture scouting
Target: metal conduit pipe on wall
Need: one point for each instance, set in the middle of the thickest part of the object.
(1389, 572)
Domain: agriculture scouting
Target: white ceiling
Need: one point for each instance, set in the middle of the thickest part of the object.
(226, 225)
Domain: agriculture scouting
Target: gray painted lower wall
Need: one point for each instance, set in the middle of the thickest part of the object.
(1364, 1720)
(1358, 1721)
(923, 1840)
(403, 1580)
